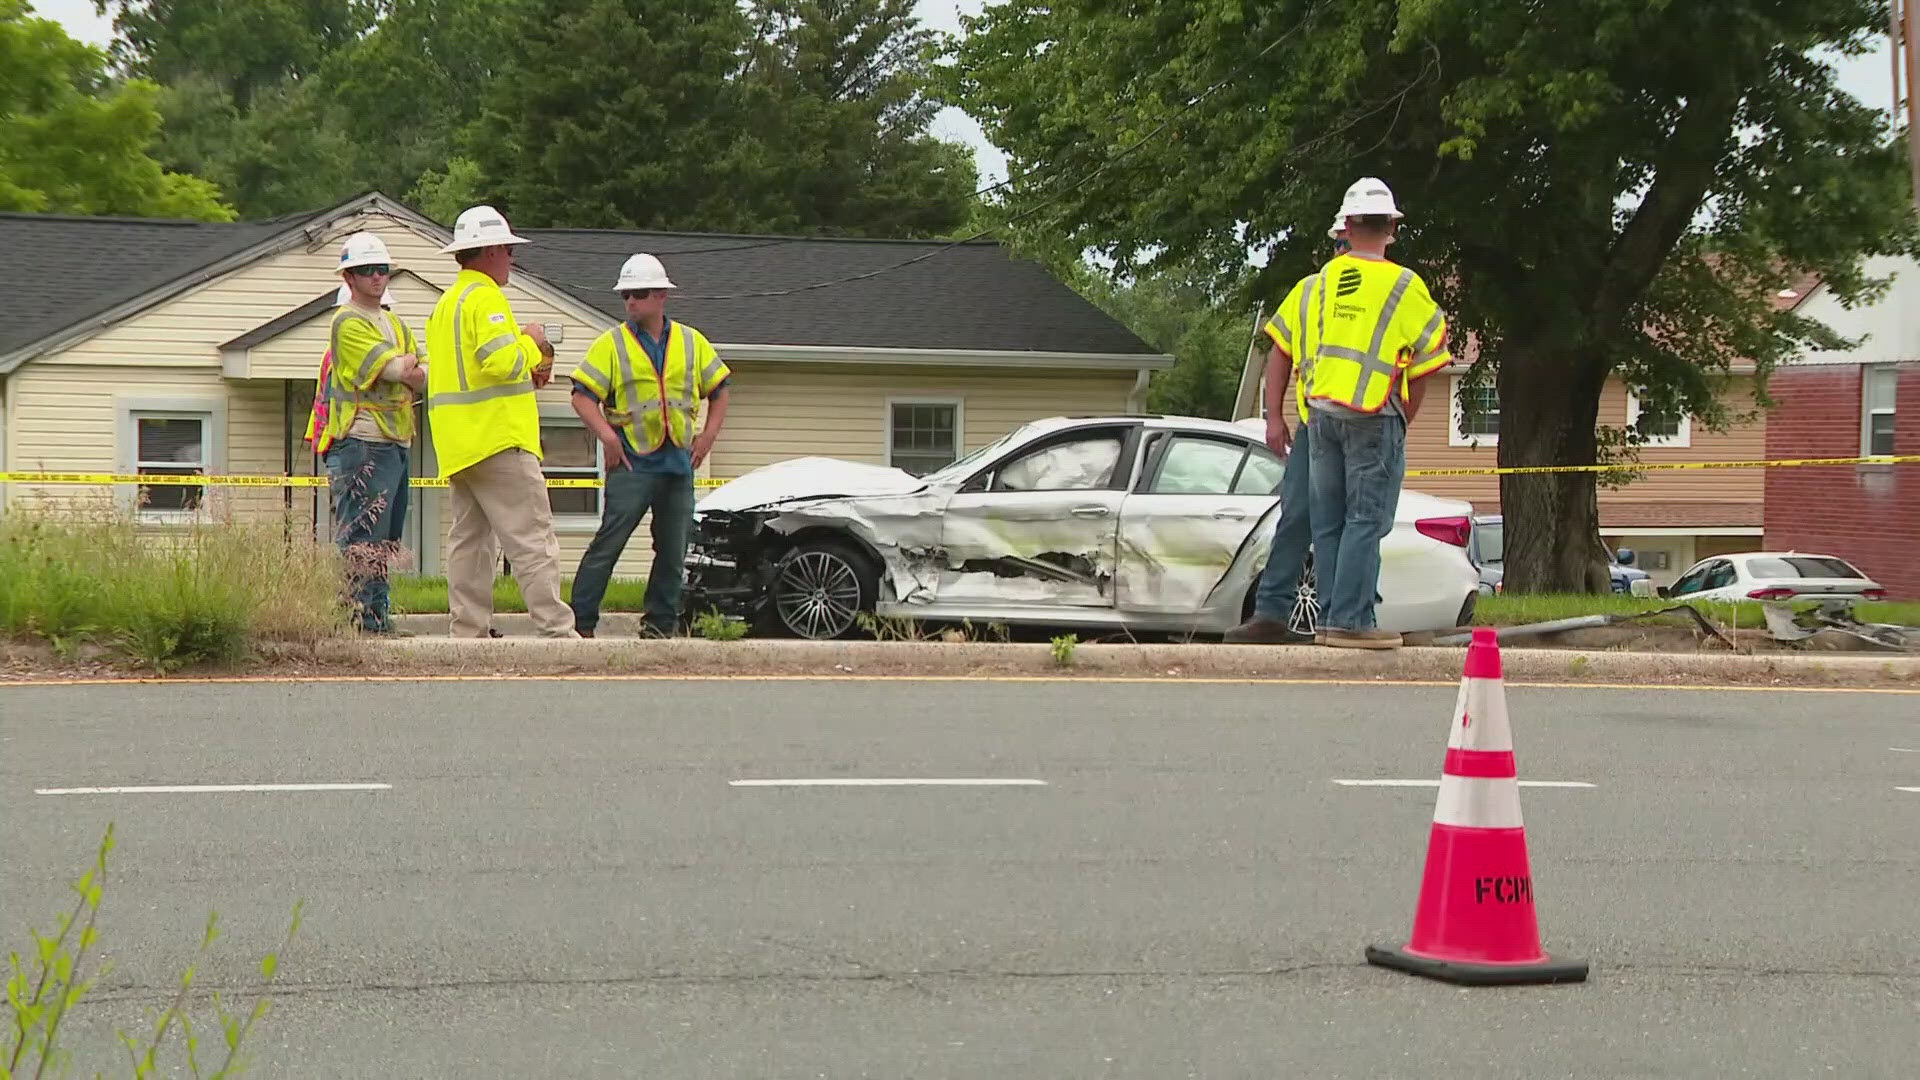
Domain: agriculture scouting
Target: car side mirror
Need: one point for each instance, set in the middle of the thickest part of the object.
(1664, 593)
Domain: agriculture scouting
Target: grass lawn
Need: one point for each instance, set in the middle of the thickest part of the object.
(415, 595)
(1503, 609)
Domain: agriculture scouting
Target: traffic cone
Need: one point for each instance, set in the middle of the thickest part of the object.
(1475, 924)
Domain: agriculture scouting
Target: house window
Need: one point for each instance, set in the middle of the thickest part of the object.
(1877, 411)
(570, 452)
(922, 436)
(1659, 428)
(1483, 427)
(170, 446)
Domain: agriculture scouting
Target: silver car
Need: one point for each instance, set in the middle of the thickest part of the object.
(1135, 523)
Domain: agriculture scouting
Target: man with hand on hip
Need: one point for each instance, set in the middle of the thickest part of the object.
(639, 391)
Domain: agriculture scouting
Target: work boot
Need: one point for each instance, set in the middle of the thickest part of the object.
(1363, 639)
(1260, 630)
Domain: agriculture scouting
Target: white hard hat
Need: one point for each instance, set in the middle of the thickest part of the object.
(1369, 196)
(642, 272)
(341, 298)
(481, 226)
(363, 249)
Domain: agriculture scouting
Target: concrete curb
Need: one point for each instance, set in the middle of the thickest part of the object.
(698, 658)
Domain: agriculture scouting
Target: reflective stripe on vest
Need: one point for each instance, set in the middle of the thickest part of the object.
(1369, 360)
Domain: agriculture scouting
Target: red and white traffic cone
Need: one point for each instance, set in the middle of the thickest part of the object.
(1475, 923)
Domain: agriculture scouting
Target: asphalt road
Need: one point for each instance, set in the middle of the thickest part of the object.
(563, 881)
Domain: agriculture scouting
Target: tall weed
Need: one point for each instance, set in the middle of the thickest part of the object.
(164, 597)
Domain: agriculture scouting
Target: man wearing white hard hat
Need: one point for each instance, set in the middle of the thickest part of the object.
(316, 436)
(1374, 334)
(486, 434)
(370, 388)
(1279, 588)
(639, 390)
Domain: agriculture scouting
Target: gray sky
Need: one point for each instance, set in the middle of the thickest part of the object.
(1867, 77)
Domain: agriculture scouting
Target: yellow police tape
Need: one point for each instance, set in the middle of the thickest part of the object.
(435, 482)
(152, 480)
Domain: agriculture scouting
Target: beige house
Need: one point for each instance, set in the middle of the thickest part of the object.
(140, 346)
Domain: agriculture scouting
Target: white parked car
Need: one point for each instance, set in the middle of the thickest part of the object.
(1113, 523)
(1774, 575)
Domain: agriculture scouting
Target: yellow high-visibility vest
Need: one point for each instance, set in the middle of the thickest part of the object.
(1286, 328)
(646, 406)
(479, 376)
(1373, 326)
(361, 349)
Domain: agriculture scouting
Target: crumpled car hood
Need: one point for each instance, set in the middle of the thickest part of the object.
(808, 478)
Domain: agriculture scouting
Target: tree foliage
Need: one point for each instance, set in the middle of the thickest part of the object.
(73, 142)
(785, 116)
(1594, 187)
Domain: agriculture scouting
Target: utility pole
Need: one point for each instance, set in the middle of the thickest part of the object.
(1908, 50)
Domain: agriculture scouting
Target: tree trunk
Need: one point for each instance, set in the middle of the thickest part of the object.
(1549, 406)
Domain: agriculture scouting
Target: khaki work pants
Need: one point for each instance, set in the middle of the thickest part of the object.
(500, 504)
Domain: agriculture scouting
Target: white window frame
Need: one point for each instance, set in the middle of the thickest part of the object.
(564, 416)
(1683, 437)
(212, 414)
(1454, 410)
(1868, 372)
(959, 404)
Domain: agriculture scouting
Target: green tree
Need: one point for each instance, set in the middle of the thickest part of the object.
(1595, 187)
(847, 79)
(407, 92)
(73, 142)
(789, 116)
(1184, 316)
(244, 45)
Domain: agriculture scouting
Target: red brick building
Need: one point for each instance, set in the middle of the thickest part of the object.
(1845, 404)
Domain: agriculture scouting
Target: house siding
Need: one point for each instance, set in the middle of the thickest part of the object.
(1866, 514)
(1428, 447)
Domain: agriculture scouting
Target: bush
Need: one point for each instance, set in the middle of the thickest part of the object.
(42, 992)
(165, 598)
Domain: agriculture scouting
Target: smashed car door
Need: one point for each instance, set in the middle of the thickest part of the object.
(1189, 516)
(1041, 526)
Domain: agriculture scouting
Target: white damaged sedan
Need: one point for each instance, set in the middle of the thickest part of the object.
(1124, 523)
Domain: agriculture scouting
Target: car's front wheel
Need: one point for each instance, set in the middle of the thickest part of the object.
(821, 589)
(1305, 616)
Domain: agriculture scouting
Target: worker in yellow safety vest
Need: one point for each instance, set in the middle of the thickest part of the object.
(486, 433)
(1371, 332)
(639, 391)
(1285, 605)
(372, 377)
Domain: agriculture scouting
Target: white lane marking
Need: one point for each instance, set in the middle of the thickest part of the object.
(892, 782)
(208, 789)
(1915, 790)
(1436, 783)
(1903, 750)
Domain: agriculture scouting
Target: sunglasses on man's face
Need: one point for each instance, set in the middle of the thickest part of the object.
(370, 271)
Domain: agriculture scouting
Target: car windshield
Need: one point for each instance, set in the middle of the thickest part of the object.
(966, 464)
(1801, 566)
(1492, 540)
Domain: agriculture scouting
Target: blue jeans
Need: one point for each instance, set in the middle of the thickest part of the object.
(1358, 465)
(629, 495)
(369, 485)
(1287, 559)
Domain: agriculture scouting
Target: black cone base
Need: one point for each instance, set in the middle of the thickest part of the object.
(1466, 974)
